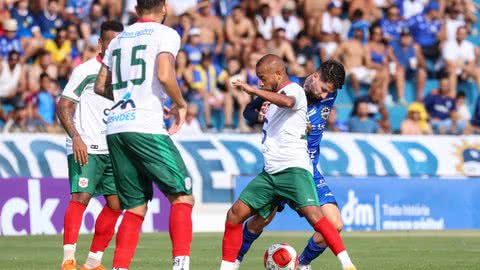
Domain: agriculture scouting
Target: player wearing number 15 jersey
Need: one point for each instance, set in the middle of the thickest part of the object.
(138, 71)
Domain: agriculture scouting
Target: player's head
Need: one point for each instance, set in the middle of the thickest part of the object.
(154, 9)
(108, 31)
(327, 79)
(271, 72)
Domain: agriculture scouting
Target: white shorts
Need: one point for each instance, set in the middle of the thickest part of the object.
(363, 74)
(329, 48)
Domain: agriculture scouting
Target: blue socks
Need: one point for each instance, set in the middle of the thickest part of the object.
(311, 252)
(248, 239)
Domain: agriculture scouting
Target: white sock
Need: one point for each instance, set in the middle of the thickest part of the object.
(69, 252)
(227, 265)
(344, 259)
(181, 263)
(119, 269)
(94, 259)
(237, 265)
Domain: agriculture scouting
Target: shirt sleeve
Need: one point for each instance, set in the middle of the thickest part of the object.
(74, 88)
(107, 58)
(170, 42)
(298, 94)
(251, 110)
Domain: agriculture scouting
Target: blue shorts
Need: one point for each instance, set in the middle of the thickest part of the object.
(325, 195)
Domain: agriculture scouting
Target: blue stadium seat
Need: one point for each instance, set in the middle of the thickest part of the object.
(343, 112)
(397, 114)
(429, 86)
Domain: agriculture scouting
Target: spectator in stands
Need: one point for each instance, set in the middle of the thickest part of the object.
(370, 11)
(234, 96)
(393, 24)
(91, 24)
(305, 53)
(410, 8)
(264, 21)
(60, 47)
(427, 31)
(454, 19)
(79, 8)
(376, 108)
(27, 26)
(50, 19)
(12, 81)
(41, 105)
(250, 70)
(77, 44)
(280, 46)
(194, 48)
(9, 41)
(191, 125)
(331, 30)
(44, 64)
(411, 62)
(357, 61)
(414, 124)
(208, 79)
(463, 112)
(184, 72)
(359, 23)
(333, 124)
(442, 109)
(239, 32)
(288, 21)
(211, 31)
(183, 27)
(360, 122)
(460, 56)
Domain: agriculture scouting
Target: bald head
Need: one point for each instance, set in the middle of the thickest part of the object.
(271, 71)
(271, 63)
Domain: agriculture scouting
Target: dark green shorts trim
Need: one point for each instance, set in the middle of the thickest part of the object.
(95, 178)
(266, 191)
(139, 159)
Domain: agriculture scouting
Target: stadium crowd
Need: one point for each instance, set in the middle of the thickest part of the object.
(384, 45)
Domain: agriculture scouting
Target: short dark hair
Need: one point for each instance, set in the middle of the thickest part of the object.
(12, 53)
(149, 4)
(461, 94)
(332, 71)
(110, 26)
(43, 76)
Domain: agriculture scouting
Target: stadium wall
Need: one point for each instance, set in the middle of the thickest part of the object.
(33, 165)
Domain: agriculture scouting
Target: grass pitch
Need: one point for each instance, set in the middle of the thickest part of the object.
(370, 251)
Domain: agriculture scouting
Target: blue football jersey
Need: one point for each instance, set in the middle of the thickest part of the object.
(317, 115)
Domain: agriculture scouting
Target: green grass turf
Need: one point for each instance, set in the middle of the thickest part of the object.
(370, 251)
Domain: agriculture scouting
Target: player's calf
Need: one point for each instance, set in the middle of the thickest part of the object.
(180, 228)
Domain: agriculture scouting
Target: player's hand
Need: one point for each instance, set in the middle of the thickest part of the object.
(244, 86)
(166, 112)
(263, 111)
(179, 112)
(80, 150)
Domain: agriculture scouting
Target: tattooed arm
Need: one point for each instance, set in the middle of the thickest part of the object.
(103, 84)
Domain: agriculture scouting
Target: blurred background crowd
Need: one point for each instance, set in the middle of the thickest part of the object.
(412, 65)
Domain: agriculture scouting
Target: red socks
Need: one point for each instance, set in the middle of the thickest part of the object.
(330, 234)
(127, 240)
(232, 241)
(104, 228)
(181, 228)
(72, 222)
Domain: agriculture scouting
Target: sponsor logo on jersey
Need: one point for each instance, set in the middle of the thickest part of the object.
(94, 147)
(325, 113)
(188, 183)
(124, 104)
(83, 182)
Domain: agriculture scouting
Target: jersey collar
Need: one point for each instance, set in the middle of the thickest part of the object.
(99, 58)
(283, 85)
(142, 20)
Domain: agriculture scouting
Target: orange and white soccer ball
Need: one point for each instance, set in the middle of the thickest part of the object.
(280, 257)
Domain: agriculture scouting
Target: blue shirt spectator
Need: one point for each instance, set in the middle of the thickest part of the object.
(426, 27)
(439, 106)
(80, 8)
(194, 48)
(361, 122)
(10, 41)
(393, 24)
(46, 107)
(49, 20)
(25, 20)
(225, 7)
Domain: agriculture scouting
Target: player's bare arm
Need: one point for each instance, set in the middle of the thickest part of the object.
(280, 100)
(103, 84)
(65, 111)
(166, 76)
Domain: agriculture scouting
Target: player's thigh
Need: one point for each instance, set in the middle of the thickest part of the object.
(105, 184)
(260, 196)
(296, 185)
(83, 179)
(160, 160)
(257, 222)
(133, 188)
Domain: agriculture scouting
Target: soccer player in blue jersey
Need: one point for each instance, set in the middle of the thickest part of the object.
(321, 90)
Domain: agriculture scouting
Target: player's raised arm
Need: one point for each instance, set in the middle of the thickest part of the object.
(166, 76)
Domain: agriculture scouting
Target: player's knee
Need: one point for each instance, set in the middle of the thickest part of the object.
(81, 197)
(236, 214)
(113, 202)
(338, 224)
(181, 198)
(140, 210)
